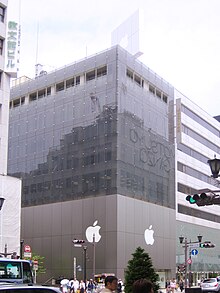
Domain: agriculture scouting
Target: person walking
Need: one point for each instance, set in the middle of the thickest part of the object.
(142, 286)
(181, 285)
(111, 283)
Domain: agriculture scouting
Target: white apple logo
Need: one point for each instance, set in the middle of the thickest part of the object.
(93, 230)
(149, 235)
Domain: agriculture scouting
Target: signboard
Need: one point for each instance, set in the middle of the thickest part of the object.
(13, 39)
(194, 252)
(27, 248)
(27, 254)
(193, 245)
(189, 261)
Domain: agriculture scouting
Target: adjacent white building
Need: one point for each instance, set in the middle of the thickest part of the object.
(197, 140)
(10, 187)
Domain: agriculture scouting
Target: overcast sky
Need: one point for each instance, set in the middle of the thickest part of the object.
(181, 38)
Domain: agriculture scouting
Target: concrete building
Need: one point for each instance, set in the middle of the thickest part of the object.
(10, 187)
(197, 140)
(94, 145)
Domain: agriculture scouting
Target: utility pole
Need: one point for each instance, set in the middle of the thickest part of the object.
(93, 256)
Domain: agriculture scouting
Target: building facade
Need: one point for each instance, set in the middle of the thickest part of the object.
(94, 144)
(198, 140)
(10, 187)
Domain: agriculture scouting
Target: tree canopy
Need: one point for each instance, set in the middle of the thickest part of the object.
(140, 267)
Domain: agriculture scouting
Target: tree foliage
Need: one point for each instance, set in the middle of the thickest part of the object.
(40, 259)
(140, 267)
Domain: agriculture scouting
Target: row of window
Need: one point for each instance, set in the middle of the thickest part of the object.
(198, 213)
(200, 139)
(152, 89)
(87, 182)
(192, 153)
(201, 121)
(196, 174)
(63, 85)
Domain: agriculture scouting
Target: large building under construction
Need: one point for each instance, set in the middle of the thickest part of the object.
(106, 147)
(94, 141)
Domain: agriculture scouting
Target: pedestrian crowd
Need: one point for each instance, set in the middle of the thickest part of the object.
(75, 286)
(173, 285)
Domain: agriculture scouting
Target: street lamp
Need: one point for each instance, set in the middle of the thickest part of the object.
(2, 199)
(186, 245)
(214, 165)
(79, 243)
(21, 248)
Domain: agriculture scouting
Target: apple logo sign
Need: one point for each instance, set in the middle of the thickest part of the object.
(93, 231)
(149, 235)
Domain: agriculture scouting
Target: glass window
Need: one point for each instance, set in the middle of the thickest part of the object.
(1, 46)
(102, 71)
(70, 82)
(60, 86)
(2, 14)
(90, 75)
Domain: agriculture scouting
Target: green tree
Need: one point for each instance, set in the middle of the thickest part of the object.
(140, 267)
(40, 259)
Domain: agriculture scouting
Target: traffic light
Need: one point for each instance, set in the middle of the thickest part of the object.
(203, 199)
(78, 241)
(207, 244)
(190, 199)
(181, 268)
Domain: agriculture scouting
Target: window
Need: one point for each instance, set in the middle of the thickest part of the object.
(60, 86)
(77, 80)
(0, 78)
(130, 74)
(1, 46)
(151, 89)
(137, 79)
(70, 82)
(22, 100)
(90, 75)
(33, 97)
(165, 98)
(49, 91)
(102, 71)
(2, 14)
(16, 103)
(41, 93)
(158, 94)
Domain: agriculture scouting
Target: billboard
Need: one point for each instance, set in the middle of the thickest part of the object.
(12, 43)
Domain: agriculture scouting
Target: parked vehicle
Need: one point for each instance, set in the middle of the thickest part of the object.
(26, 288)
(211, 285)
(15, 271)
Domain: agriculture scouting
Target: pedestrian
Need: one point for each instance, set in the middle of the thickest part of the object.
(90, 286)
(82, 286)
(74, 285)
(64, 284)
(143, 286)
(119, 288)
(181, 285)
(173, 284)
(111, 283)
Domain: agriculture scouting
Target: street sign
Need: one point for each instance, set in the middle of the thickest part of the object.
(27, 254)
(189, 261)
(27, 248)
(193, 245)
(194, 252)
